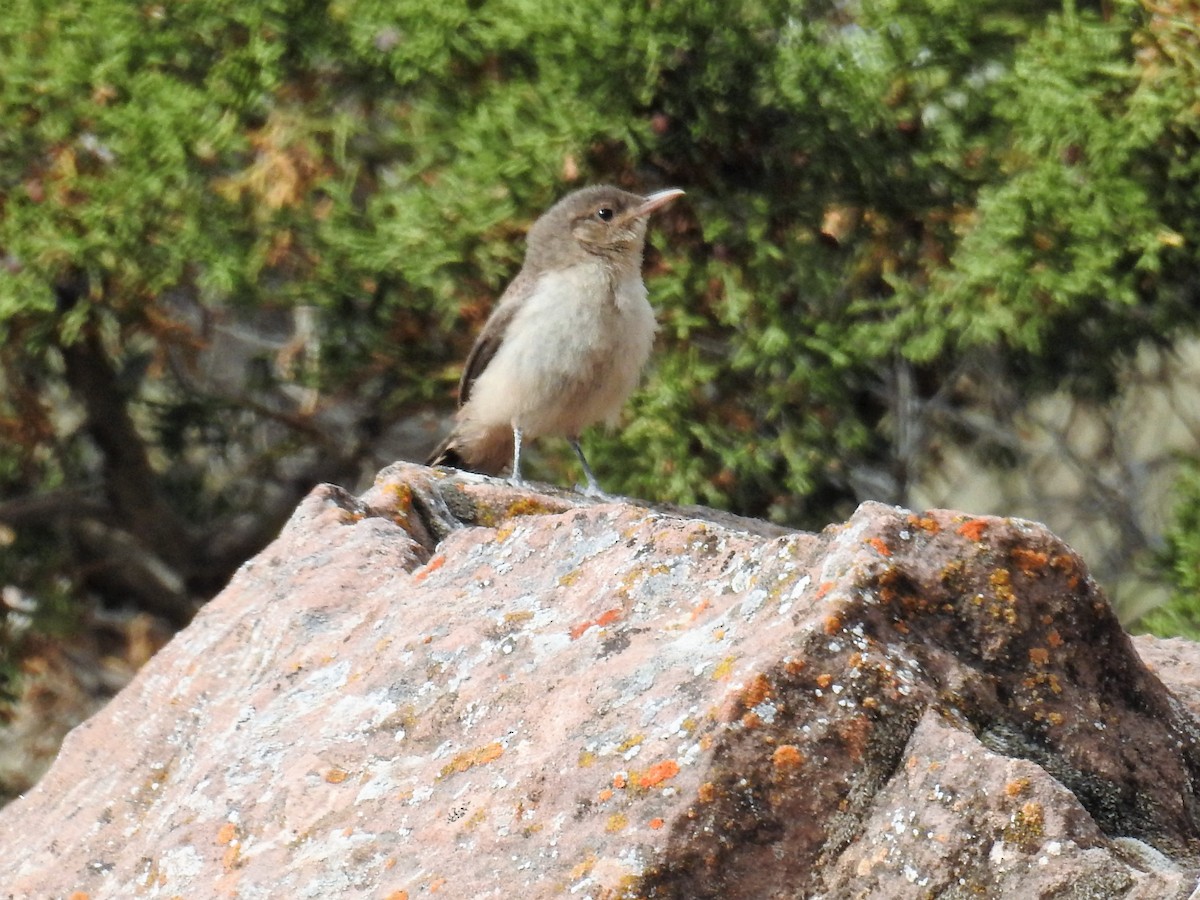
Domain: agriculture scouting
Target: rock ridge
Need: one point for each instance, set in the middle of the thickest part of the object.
(458, 687)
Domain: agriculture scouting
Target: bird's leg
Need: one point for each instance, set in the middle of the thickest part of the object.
(593, 488)
(515, 477)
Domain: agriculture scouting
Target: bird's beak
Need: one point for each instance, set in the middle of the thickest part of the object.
(653, 201)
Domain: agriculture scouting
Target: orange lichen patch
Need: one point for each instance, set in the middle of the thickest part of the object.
(787, 758)
(832, 624)
(605, 618)
(79, 895)
(973, 529)
(854, 733)
(699, 608)
(429, 568)
(1017, 787)
(397, 895)
(707, 792)
(1030, 561)
(901, 627)
(229, 858)
(879, 546)
(751, 720)
(794, 666)
(608, 617)
(470, 758)
(723, 669)
(616, 822)
(870, 703)
(855, 661)
(226, 833)
(656, 823)
(436, 885)
(823, 588)
(336, 776)
(824, 680)
(658, 773)
(605, 795)
(620, 781)
(1054, 639)
(577, 631)
(1039, 656)
(390, 863)
(758, 691)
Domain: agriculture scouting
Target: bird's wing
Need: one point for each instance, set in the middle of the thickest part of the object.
(492, 336)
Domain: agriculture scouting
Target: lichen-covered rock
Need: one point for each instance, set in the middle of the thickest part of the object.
(451, 686)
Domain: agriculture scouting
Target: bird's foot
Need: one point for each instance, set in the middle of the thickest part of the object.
(592, 489)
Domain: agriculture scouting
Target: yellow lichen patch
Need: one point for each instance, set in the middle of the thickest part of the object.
(515, 620)
(832, 624)
(925, 523)
(336, 776)
(586, 758)
(616, 822)
(1017, 787)
(527, 506)
(504, 532)
(630, 742)
(570, 578)
(1001, 582)
(470, 758)
(583, 868)
(475, 820)
(1027, 825)
(723, 669)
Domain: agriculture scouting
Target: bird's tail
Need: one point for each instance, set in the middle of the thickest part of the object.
(487, 451)
(447, 454)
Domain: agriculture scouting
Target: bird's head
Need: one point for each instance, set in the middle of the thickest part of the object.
(595, 221)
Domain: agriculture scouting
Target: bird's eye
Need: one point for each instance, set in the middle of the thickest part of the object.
(604, 214)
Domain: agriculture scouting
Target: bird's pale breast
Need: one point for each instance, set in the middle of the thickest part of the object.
(601, 329)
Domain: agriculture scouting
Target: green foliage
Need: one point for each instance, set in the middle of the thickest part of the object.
(876, 189)
(1181, 560)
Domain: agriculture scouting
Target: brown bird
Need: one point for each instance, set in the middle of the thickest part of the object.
(565, 346)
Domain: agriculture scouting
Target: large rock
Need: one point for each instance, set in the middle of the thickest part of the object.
(604, 700)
